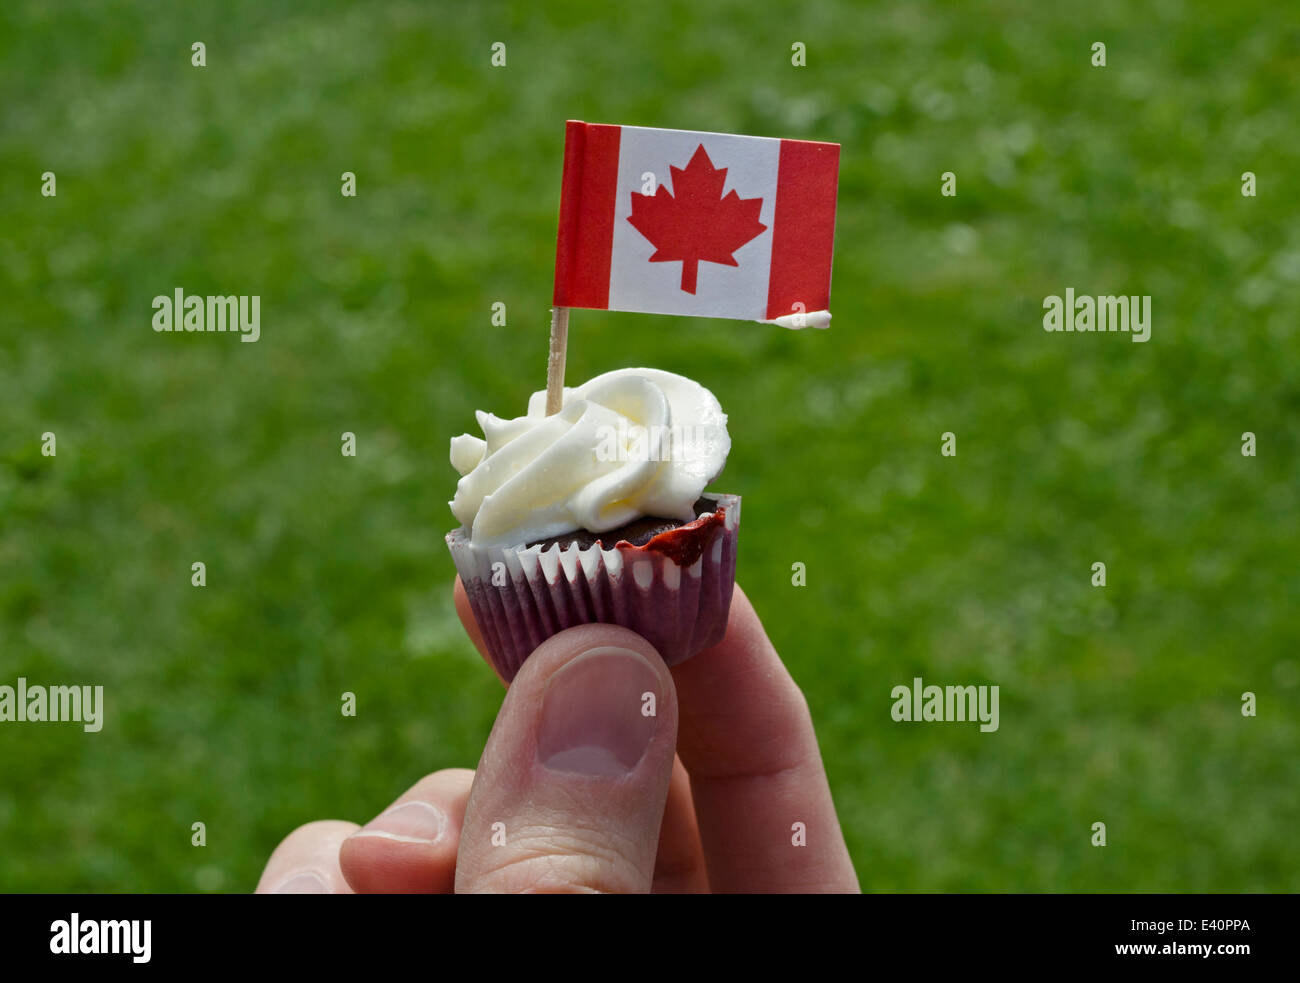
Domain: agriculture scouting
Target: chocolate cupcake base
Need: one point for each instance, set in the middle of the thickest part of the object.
(670, 582)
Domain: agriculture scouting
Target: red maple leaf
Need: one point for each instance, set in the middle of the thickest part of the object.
(696, 223)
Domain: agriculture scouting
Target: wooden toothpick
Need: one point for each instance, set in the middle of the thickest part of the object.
(555, 364)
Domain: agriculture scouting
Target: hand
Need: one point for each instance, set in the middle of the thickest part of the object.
(579, 788)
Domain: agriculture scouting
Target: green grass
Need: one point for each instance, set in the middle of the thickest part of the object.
(328, 574)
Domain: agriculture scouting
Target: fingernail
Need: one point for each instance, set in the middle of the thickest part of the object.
(592, 722)
(410, 822)
(306, 882)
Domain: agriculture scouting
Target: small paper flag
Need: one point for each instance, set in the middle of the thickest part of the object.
(695, 223)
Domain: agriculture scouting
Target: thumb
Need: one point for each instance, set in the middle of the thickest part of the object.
(569, 794)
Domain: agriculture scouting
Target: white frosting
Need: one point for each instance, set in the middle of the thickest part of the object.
(629, 443)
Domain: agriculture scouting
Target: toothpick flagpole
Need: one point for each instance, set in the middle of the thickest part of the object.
(555, 364)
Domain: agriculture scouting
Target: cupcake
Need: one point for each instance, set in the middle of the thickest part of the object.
(598, 513)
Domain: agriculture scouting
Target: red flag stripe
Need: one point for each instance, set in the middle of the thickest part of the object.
(587, 200)
(803, 233)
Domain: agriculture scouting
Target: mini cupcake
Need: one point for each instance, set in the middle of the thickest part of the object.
(598, 514)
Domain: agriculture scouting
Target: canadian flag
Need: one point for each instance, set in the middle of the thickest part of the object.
(706, 224)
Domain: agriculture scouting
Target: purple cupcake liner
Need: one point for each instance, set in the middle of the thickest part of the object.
(680, 610)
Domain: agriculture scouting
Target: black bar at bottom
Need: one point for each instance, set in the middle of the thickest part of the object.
(1223, 934)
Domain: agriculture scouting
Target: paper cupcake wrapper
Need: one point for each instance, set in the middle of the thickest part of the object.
(521, 596)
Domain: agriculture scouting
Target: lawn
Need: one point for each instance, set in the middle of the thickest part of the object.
(328, 574)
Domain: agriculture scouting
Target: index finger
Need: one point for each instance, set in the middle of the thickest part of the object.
(460, 597)
(762, 801)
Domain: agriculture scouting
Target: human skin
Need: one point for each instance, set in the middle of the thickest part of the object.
(586, 785)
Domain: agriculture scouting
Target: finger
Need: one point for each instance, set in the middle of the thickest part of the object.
(467, 618)
(757, 778)
(679, 866)
(569, 794)
(410, 847)
(307, 861)
(475, 633)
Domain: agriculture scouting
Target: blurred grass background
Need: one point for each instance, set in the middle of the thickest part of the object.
(328, 574)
